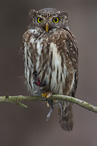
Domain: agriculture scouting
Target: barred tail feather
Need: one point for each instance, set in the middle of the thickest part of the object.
(66, 117)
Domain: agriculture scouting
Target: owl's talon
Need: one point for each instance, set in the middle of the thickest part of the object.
(44, 95)
(48, 104)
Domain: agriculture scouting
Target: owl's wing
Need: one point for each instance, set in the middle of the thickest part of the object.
(29, 53)
(30, 36)
(72, 52)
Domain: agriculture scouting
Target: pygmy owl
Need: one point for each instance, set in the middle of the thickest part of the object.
(51, 59)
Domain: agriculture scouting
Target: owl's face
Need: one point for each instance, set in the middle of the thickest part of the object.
(48, 19)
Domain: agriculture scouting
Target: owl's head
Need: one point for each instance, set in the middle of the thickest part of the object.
(48, 19)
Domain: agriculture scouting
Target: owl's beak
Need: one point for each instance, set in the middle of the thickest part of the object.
(47, 27)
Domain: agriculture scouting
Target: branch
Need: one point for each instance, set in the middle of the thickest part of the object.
(19, 98)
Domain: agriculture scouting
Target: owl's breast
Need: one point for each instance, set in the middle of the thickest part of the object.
(51, 61)
(46, 56)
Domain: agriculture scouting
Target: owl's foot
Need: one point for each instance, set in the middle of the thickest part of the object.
(46, 96)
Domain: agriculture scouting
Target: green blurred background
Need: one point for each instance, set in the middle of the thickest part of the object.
(20, 127)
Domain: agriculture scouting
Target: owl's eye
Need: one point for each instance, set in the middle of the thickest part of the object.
(56, 20)
(39, 20)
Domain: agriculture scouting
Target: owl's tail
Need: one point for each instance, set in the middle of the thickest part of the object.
(66, 116)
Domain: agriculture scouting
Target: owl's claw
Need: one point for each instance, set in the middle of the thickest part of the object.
(46, 96)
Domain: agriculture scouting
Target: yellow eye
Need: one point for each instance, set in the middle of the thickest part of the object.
(55, 20)
(39, 20)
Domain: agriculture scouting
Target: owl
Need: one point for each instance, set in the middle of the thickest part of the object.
(51, 60)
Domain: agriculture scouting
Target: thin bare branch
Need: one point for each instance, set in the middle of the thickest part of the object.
(20, 98)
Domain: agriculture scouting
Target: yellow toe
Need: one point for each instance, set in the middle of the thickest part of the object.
(45, 95)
